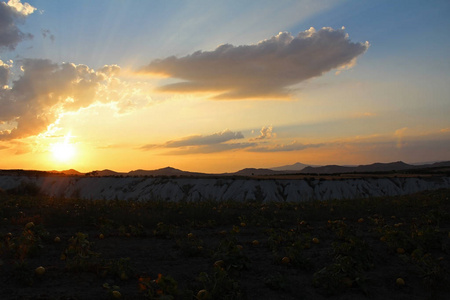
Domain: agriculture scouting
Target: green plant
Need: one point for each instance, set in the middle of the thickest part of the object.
(79, 256)
(233, 256)
(191, 246)
(338, 276)
(297, 257)
(432, 272)
(278, 282)
(120, 268)
(30, 242)
(163, 230)
(113, 291)
(220, 285)
(351, 258)
(162, 288)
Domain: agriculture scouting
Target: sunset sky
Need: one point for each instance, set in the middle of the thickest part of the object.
(217, 86)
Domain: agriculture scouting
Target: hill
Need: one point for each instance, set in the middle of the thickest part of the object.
(372, 168)
(168, 171)
(295, 167)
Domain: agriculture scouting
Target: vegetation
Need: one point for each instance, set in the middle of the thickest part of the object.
(384, 248)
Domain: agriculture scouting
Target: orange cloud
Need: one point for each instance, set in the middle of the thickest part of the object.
(44, 91)
(216, 142)
(265, 133)
(266, 69)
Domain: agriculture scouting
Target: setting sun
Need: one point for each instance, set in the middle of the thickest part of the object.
(315, 82)
(63, 151)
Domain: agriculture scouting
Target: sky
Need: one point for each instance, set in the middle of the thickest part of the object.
(218, 86)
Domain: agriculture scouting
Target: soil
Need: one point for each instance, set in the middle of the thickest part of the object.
(256, 271)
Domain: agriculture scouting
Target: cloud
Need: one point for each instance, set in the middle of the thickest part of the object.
(266, 133)
(23, 9)
(4, 74)
(199, 140)
(294, 146)
(266, 69)
(214, 148)
(47, 33)
(221, 141)
(44, 91)
(196, 144)
(12, 13)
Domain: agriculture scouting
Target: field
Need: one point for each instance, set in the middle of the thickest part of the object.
(383, 248)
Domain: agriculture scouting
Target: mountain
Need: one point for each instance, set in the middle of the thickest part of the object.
(384, 167)
(440, 164)
(67, 172)
(168, 171)
(71, 172)
(295, 167)
(253, 171)
(372, 168)
(329, 169)
(437, 167)
(105, 172)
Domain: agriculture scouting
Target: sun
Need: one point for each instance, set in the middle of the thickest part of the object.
(64, 151)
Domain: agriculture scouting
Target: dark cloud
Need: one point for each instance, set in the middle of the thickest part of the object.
(210, 148)
(45, 90)
(4, 74)
(199, 140)
(221, 141)
(47, 33)
(11, 14)
(266, 69)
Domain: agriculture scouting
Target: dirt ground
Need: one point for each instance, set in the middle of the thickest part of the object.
(333, 253)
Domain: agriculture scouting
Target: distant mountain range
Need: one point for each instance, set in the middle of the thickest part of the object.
(372, 168)
(168, 171)
(297, 168)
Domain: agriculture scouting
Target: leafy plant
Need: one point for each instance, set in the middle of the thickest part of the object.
(277, 281)
(191, 246)
(351, 258)
(220, 285)
(120, 268)
(165, 230)
(162, 288)
(30, 242)
(233, 256)
(113, 291)
(79, 256)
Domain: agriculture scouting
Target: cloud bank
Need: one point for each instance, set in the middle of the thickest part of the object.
(222, 141)
(44, 91)
(12, 13)
(266, 69)
(215, 142)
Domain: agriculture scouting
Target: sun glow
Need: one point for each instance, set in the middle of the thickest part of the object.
(64, 151)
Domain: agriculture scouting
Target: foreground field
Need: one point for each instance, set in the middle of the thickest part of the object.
(384, 248)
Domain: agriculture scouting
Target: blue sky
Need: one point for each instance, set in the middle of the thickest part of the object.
(390, 102)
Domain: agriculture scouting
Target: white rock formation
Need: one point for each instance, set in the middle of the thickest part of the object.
(194, 189)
